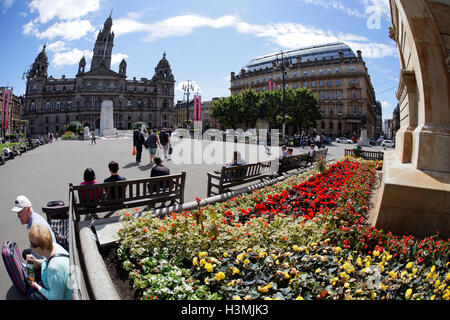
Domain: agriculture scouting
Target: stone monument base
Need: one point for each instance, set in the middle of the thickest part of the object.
(362, 141)
(109, 132)
(412, 201)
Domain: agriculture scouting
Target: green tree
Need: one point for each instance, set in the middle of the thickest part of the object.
(75, 127)
(138, 125)
(248, 101)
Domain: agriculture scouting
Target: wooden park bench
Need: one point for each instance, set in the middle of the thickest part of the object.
(365, 154)
(300, 161)
(237, 175)
(126, 194)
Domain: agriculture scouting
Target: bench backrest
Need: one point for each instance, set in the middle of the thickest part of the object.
(366, 154)
(93, 195)
(293, 161)
(242, 172)
(320, 153)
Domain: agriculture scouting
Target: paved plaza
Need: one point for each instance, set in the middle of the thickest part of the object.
(44, 174)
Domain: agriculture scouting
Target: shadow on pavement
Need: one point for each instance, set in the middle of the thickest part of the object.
(146, 167)
(131, 164)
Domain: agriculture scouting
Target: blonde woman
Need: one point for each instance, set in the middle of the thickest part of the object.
(55, 283)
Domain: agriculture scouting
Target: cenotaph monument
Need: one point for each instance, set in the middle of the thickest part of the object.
(362, 141)
(107, 119)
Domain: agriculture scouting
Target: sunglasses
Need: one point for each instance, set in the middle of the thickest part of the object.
(33, 246)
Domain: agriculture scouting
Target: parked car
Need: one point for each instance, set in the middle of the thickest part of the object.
(354, 139)
(325, 140)
(388, 144)
(344, 140)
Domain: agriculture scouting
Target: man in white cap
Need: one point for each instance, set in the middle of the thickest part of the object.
(27, 216)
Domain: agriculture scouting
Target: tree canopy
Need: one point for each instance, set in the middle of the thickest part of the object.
(243, 109)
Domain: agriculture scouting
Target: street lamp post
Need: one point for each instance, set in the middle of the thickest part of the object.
(187, 87)
(284, 64)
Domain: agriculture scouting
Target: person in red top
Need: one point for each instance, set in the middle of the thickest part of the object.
(89, 178)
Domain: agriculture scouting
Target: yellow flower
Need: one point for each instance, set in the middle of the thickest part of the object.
(195, 261)
(346, 266)
(249, 249)
(241, 256)
(392, 274)
(231, 283)
(318, 270)
(219, 276)
(381, 267)
(433, 268)
(209, 267)
(346, 285)
(246, 261)
(262, 254)
(235, 270)
(447, 277)
(286, 275)
(408, 294)
(263, 289)
(408, 265)
(373, 296)
(376, 253)
(225, 254)
(367, 264)
(383, 286)
(299, 298)
(389, 257)
(236, 298)
(437, 283)
(295, 247)
(432, 297)
(337, 250)
(206, 280)
(359, 262)
(203, 254)
(414, 271)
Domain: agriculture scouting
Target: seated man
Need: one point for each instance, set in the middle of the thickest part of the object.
(8, 153)
(311, 154)
(16, 151)
(159, 170)
(113, 167)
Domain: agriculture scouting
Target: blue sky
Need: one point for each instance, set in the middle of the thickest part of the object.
(204, 40)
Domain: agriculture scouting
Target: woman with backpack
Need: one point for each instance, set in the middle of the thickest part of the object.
(152, 144)
(55, 267)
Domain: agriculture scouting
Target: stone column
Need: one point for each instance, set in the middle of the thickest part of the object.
(415, 192)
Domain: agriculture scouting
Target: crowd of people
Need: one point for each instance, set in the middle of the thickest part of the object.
(151, 141)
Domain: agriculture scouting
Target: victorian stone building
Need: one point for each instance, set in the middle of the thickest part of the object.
(333, 71)
(51, 103)
(14, 112)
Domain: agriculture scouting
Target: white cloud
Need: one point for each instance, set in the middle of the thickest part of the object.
(385, 104)
(71, 57)
(196, 89)
(336, 5)
(117, 58)
(57, 46)
(287, 35)
(6, 4)
(63, 9)
(70, 30)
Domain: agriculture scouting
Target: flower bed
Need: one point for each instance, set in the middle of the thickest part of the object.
(304, 238)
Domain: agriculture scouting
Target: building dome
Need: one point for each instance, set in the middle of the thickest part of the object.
(163, 63)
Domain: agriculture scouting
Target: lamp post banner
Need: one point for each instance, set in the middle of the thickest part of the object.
(7, 108)
(199, 108)
(3, 108)
(195, 107)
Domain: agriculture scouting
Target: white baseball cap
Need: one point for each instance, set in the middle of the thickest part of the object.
(20, 203)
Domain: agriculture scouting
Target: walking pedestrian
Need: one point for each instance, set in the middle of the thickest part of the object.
(138, 141)
(93, 137)
(164, 138)
(152, 144)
